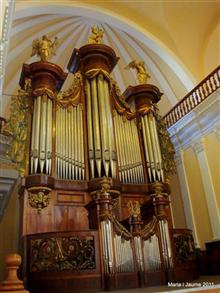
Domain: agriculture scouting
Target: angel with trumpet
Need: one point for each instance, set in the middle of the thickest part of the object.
(44, 48)
(139, 67)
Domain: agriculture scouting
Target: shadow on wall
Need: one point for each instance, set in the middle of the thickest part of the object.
(9, 230)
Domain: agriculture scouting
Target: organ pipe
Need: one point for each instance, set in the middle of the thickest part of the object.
(90, 131)
(103, 125)
(128, 149)
(41, 142)
(49, 136)
(123, 255)
(82, 142)
(33, 136)
(111, 138)
(151, 249)
(166, 246)
(138, 251)
(97, 141)
(69, 143)
(43, 133)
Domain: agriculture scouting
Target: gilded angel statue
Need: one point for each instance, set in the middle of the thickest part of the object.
(139, 67)
(44, 48)
(96, 35)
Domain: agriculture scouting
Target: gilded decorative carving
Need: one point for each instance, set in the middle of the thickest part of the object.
(57, 254)
(41, 91)
(72, 95)
(120, 229)
(96, 35)
(145, 109)
(96, 71)
(17, 126)
(134, 208)
(39, 197)
(44, 48)
(166, 147)
(139, 67)
(149, 229)
(105, 190)
(121, 106)
(184, 247)
(158, 189)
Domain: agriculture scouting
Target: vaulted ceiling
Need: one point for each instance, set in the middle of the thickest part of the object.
(175, 39)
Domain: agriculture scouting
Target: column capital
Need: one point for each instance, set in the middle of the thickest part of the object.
(199, 146)
(217, 132)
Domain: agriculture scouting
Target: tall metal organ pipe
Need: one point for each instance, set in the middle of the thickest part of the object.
(41, 142)
(128, 150)
(69, 156)
(101, 141)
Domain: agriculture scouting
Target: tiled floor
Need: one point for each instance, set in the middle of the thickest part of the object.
(199, 285)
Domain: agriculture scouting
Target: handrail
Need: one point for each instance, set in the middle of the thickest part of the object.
(205, 88)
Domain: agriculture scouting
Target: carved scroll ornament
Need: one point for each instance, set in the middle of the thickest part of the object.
(58, 254)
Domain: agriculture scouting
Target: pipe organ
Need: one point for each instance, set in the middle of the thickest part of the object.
(94, 197)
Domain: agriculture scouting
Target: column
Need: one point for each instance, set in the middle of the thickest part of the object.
(210, 195)
(186, 197)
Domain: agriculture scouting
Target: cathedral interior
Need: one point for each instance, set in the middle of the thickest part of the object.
(109, 146)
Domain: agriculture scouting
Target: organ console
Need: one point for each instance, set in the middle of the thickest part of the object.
(92, 153)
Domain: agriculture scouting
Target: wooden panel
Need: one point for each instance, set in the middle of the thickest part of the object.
(155, 278)
(127, 280)
(70, 198)
(33, 221)
(77, 218)
(76, 284)
(69, 218)
(67, 280)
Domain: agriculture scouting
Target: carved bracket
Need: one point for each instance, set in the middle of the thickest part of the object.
(39, 197)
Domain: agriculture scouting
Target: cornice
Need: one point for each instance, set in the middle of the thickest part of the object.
(204, 119)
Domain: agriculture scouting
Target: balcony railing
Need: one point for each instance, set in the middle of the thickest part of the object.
(204, 89)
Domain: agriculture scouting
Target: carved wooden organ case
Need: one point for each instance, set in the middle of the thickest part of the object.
(94, 201)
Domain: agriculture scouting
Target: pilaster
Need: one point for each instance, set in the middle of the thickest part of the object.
(186, 197)
(211, 201)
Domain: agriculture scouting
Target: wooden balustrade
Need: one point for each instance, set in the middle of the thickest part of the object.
(12, 284)
(204, 89)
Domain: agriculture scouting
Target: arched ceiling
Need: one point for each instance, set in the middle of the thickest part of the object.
(135, 30)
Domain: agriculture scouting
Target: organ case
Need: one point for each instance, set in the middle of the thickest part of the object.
(94, 198)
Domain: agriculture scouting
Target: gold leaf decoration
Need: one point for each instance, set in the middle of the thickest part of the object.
(17, 126)
(139, 67)
(134, 208)
(166, 146)
(96, 35)
(44, 48)
(39, 197)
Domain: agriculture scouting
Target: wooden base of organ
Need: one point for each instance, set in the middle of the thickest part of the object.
(77, 232)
